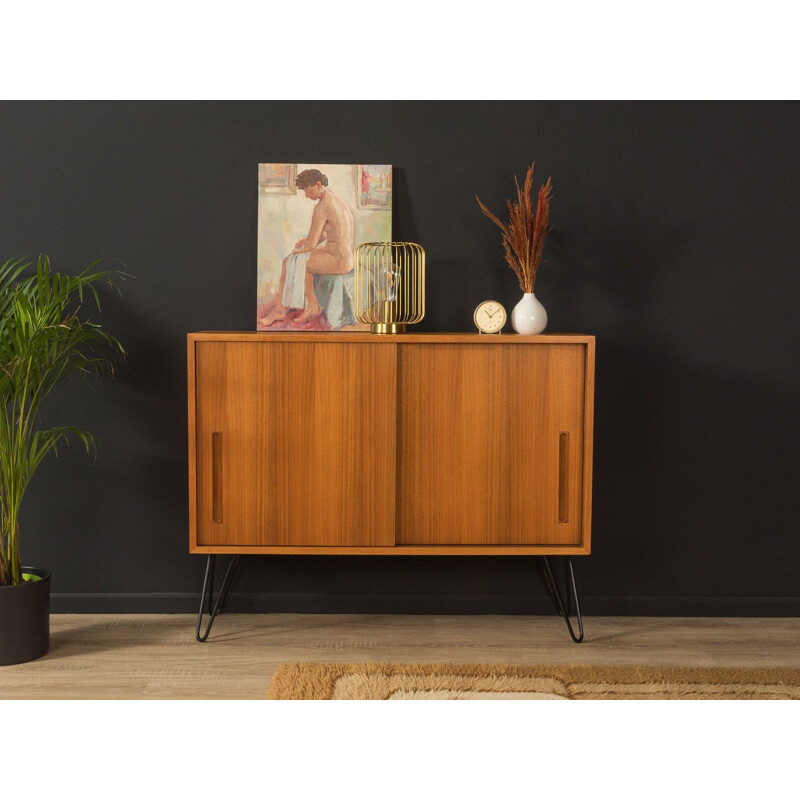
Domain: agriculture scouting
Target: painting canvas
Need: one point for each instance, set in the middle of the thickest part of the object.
(311, 218)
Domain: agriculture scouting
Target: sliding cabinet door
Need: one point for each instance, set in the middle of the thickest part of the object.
(491, 444)
(295, 443)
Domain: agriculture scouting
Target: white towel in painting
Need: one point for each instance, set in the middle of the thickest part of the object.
(294, 288)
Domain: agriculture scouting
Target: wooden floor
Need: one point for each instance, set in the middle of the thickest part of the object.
(155, 656)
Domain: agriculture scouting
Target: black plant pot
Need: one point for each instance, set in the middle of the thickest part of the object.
(25, 619)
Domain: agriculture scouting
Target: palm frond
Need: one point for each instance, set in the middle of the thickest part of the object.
(44, 338)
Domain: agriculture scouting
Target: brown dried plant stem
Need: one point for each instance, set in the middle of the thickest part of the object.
(526, 231)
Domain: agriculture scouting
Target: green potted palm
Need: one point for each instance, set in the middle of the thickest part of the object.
(44, 338)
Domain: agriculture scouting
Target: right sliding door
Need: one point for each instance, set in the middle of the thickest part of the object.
(490, 443)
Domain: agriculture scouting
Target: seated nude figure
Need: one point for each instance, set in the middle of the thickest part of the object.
(330, 242)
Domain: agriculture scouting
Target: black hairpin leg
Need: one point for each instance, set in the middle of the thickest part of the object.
(564, 609)
(208, 592)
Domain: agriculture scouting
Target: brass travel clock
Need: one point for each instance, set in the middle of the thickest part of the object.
(489, 317)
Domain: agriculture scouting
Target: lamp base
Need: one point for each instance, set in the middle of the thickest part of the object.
(388, 327)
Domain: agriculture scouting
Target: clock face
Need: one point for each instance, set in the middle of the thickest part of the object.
(490, 317)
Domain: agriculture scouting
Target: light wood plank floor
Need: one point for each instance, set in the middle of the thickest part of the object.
(155, 656)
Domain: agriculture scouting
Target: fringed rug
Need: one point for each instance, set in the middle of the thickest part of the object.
(310, 681)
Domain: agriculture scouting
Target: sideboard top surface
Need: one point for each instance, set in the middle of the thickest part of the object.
(364, 337)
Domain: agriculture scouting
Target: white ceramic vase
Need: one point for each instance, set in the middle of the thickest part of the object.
(529, 315)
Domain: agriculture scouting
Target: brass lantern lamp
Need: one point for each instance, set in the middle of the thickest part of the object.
(390, 285)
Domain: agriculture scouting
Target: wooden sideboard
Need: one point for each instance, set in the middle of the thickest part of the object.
(416, 444)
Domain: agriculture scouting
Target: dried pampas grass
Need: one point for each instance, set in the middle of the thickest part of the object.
(524, 235)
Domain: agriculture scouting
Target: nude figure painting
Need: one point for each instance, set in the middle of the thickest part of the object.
(307, 241)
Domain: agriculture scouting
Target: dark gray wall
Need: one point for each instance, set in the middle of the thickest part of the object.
(676, 240)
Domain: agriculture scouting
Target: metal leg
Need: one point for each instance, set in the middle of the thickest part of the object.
(564, 609)
(208, 591)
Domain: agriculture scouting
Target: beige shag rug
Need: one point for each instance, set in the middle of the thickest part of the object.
(310, 681)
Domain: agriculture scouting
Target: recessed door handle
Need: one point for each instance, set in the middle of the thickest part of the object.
(563, 477)
(216, 476)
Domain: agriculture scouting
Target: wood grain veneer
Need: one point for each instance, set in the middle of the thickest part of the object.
(479, 435)
(438, 444)
(306, 444)
(491, 340)
(401, 550)
(588, 443)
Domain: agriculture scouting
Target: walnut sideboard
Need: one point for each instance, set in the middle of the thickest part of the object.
(414, 444)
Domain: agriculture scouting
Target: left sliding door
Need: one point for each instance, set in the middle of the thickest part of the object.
(295, 443)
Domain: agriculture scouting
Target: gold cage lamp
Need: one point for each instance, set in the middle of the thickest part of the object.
(390, 285)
